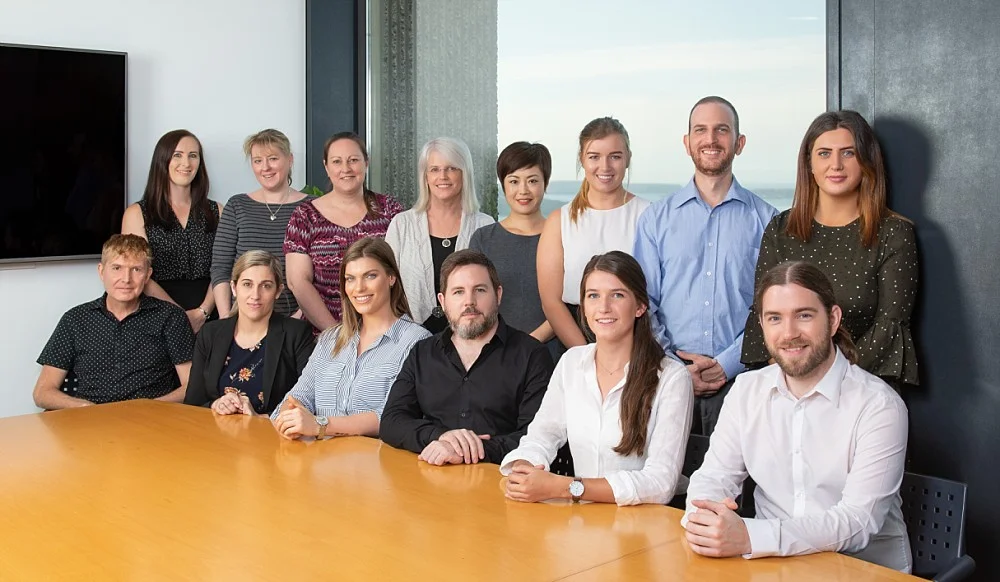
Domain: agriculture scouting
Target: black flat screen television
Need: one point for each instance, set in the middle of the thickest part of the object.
(62, 152)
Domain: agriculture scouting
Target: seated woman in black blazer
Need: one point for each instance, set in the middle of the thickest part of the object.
(246, 363)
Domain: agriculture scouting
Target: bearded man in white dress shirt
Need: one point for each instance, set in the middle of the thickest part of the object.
(824, 440)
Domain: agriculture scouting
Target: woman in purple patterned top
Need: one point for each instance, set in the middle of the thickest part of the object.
(320, 230)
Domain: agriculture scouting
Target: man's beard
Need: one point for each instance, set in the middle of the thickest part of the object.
(723, 167)
(475, 328)
(799, 368)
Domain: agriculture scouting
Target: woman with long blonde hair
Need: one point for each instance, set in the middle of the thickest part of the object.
(344, 386)
(601, 218)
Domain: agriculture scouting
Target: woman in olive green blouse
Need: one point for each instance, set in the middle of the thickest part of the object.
(839, 221)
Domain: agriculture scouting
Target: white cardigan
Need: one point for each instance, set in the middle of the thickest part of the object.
(410, 239)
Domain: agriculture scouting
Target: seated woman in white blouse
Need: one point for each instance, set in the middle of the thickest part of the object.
(624, 407)
(343, 388)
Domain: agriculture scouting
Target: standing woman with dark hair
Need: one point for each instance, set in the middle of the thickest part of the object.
(524, 170)
(179, 221)
(601, 218)
(343, 389)
(257, 221)
(321, 229)
(839, 221)
(620, 403)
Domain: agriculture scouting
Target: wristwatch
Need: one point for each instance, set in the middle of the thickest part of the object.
(322, 421)
(576, 489)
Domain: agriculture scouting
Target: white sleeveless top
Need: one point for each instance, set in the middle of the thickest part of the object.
(595, 232)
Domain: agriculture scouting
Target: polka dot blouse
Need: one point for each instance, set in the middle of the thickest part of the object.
(875, 287)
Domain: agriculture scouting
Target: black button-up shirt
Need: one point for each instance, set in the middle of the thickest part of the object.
(498, 395)
(121, 360)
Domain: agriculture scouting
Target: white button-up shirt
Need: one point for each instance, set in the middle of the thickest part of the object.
(574, 410)
(828, 466)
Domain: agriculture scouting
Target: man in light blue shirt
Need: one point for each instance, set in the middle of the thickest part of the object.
(698, 249)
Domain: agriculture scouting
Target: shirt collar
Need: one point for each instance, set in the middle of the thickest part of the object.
(101, 303)
(690, 192)
(829, 384)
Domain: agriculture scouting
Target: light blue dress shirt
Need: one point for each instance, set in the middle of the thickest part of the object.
(699, 264)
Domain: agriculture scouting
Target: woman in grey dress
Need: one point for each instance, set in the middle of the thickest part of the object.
(524, 170)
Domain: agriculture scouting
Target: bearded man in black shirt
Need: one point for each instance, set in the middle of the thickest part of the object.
(468, 393)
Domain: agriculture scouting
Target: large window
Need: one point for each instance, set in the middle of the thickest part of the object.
(538, 70)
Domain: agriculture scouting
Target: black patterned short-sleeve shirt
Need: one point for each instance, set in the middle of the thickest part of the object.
(121, 360)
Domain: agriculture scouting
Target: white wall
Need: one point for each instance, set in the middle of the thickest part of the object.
(222, 69)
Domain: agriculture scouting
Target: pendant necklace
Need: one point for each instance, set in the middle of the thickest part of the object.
(273, 215)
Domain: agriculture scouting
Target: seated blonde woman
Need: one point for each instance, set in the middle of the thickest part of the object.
(344, 386)
(247, 362)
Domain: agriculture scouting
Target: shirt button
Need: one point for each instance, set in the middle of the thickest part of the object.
(465, 379)
(464, 414)
(706, 333)
(706, 303)
(711, 244)
(709, 273)
(798, 452)
(800, 495)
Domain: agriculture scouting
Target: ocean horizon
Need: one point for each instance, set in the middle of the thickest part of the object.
(561, 192)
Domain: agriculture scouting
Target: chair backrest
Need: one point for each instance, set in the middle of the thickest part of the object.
(696, 448)
(563, 463)
(934, 512)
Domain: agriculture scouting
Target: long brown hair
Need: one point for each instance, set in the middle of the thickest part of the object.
(872, 190)
(368, 195)
(646, 359)
(157, 192)
(809, 276)
(381, 252)
(599, 128)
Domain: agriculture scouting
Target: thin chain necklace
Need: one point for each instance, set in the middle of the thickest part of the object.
(609, 372)
(284, 198)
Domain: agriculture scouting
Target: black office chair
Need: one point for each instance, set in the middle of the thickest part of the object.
(563, 463)
(696, 448)
(934, 512)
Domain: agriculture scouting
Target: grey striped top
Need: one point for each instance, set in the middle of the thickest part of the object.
(345, 383)
(246, 225)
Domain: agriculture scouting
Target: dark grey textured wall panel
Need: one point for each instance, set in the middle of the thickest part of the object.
(926, 71)
(857, 55)
(335, 40)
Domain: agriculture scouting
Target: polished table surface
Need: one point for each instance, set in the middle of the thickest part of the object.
(147, 490)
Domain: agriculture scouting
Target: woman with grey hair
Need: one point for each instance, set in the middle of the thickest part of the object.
(441, 222)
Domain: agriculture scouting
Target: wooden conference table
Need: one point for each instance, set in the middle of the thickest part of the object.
(147, 490)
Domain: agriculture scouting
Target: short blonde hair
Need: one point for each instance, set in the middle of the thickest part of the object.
(458, 154)
(269, 138)
(127, 245)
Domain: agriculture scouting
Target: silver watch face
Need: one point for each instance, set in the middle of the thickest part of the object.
(576, 488)
(322, 420)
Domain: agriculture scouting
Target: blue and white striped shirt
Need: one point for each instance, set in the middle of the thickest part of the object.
(346, 383)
